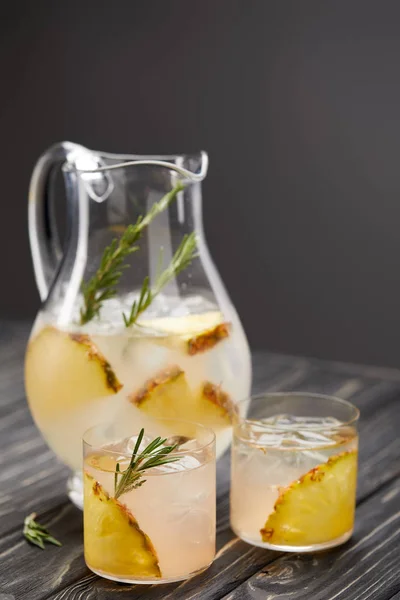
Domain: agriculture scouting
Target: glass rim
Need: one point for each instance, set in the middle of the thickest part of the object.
(202, 447)
(304, 395)
(137, 160)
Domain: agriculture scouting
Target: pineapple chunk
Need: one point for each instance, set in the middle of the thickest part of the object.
(64, 370)
(317, 508)
(114, 542)
(191, 333)
(215, 407)
(167, 395)
(207, 339)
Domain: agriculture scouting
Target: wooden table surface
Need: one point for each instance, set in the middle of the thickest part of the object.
(368, 566)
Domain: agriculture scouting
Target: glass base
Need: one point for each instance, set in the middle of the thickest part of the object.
(75, 489)
(312, 548)
(146, 580)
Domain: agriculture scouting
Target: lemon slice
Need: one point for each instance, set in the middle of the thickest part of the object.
(64, 370)
(193, 333)
(168, 396)
(114, 542)
(317, 508)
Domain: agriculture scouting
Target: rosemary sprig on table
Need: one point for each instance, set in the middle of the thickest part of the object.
(36, 533)
(154, 455)
(102, 286)
(181, 259)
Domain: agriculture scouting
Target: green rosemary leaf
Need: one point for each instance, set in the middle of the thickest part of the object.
(102, 285)
(154, 455)
(182, 258)
(37, 534)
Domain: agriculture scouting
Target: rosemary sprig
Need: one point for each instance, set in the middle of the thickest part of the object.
(154, 455)
(102, 286)
(181, 259)
(36, 533)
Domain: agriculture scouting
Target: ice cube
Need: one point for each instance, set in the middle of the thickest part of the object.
(280, 420)
(182, 441)
(190, 445)
(131, 443)
(119, 446)
(307, 437)
(293, 421)
(287, 431)
(182, 464)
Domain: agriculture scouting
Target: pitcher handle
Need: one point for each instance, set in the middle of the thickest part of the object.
(43, 235)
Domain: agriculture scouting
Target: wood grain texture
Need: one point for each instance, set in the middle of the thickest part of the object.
(366, 568)
(32, 479)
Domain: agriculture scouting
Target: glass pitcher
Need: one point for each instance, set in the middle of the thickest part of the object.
(135, 322)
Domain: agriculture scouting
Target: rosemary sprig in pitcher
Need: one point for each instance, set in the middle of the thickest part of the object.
(102, 286)
(181, 259)
(154, 455)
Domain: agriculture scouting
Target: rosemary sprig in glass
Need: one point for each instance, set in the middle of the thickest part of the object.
(36, 533)
(102, 286)
(154, 455)
(182, 258)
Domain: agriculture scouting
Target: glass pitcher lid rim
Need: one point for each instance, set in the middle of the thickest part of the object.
(85, 161)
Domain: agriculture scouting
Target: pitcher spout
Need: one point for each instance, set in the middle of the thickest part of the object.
(190, 167)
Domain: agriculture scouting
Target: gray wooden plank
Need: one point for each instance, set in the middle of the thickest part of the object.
(43, 477)
(236, 561)
(232, 567)
(349, 369)
(366, 568)
(379, 459)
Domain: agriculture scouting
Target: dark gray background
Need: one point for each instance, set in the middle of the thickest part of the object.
(297, 103)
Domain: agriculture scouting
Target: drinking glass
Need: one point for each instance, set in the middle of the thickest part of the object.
(294, 472)
(162, 527)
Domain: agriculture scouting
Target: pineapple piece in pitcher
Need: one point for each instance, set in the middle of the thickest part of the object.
(168, 395)
(215, 405)
(64, 370)
(191, 333)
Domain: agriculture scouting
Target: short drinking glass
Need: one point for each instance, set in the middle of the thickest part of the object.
(149, 505)
(294, 472)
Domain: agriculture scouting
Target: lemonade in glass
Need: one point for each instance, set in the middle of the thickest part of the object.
(294, 472)
(149, 502)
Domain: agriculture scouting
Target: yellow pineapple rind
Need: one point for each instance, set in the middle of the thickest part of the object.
(64, 371)
(269, 532)
(207, 339)
(103, 496)
(94, 353)
(209, 402)
(168, 375)
(214, 394)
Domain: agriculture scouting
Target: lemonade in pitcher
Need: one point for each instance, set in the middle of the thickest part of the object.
(136, 325)
(169, 367)
(294, 472)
